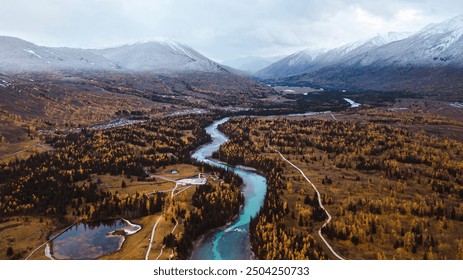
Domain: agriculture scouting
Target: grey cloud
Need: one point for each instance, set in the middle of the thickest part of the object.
(219, 29)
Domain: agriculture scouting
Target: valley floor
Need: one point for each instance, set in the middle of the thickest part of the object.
(402, 202)
(390, 177)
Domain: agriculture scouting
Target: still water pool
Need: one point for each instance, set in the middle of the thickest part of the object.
(90, 240)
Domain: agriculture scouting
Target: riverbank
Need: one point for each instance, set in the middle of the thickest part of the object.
(223, 243)
(199, 242)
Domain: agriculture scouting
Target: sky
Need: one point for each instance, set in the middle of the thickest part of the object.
(221, 30)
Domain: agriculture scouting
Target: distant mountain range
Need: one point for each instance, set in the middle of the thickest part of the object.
(251, 64)
(163, 72)
(314, 59)
(429, 60)
(158, 57)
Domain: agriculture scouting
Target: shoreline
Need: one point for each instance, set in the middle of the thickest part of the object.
(120, 233)
(204, 154)
(246, 168)
(203, 236)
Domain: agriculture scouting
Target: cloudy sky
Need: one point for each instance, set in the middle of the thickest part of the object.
(222, 30)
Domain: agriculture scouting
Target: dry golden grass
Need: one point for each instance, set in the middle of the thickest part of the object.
(20, 150)
(113, 183)
(184, 170)
(135, 246)
(23, 234)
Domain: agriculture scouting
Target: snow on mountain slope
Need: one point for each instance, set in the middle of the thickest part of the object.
(307, 60)
(17, 55)
(292, 64)
(160, 57)
(447, 26)
(437, 45)
(430, 60)
(383, 39)
(434, 46)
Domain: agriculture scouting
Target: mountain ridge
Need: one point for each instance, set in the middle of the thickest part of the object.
(310, 59)
(17, 55)
(159, 57)
(426, 61)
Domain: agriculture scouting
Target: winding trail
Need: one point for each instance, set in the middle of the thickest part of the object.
(319, 201)
(172, 196)
(35, 250)
(152, 237)
(164, 246)
(157, 222)
(155, 226)
(173, 191)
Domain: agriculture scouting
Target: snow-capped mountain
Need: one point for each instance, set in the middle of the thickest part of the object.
(17, 55)
(434, 46)
(429, 60)
(160, 57)
(310, 60)
(292, 64)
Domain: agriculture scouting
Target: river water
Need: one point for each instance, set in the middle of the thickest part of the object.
(232, 241)
(91, 240)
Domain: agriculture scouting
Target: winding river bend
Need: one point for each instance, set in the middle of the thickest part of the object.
(230, 242)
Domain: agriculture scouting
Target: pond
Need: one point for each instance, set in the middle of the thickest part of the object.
(90, 240)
